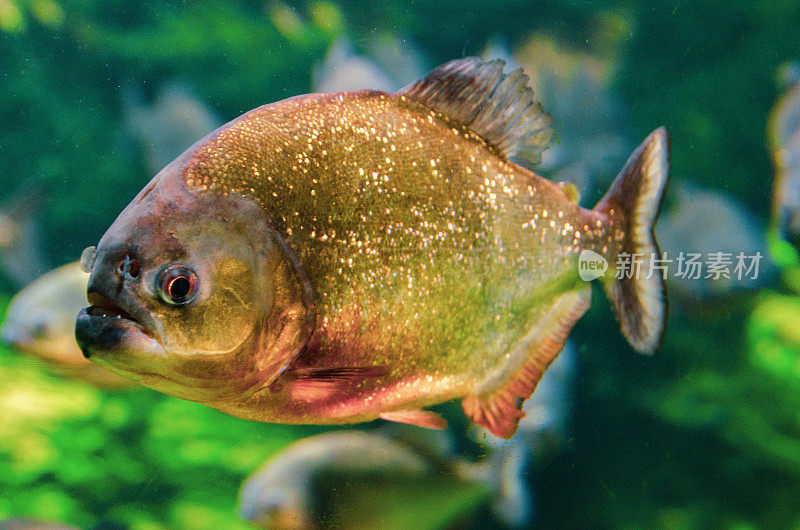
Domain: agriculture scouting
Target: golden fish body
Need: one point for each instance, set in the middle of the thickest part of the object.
(427, 252)
(403, 259)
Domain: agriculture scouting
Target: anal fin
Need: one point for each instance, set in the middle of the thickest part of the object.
(418, 417)
(497, 405)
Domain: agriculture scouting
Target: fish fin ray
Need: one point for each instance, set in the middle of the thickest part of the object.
(634, 202)
(337, 373)
(418, 417)
(499, 107)
(311, 384)
(498, 407)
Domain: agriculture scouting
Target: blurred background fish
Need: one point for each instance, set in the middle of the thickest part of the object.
(784, 141)
(21, 256)
(175, 119)
(344, 70)
(391, 63)
(702, 221)
(347, 479)
(41, 322)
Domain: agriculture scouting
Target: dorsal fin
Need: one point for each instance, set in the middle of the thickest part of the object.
(498, 107)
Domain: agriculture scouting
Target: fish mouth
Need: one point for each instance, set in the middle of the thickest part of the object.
(103, 307)
(106, 327)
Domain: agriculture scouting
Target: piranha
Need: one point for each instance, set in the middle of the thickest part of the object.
(342, 257)
(41, 322)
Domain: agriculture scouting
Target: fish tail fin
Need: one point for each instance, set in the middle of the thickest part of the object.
(633, 203)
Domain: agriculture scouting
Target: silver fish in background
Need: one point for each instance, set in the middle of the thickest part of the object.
(303, 486)
(728, 228)
(784, 142)
(400, 57)
(41, 322)
(21, 255)
(174, 120)
(344, 70)
(390, 64)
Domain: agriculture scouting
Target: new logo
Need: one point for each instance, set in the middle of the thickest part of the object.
(591, 265)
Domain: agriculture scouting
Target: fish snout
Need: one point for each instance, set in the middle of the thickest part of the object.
(113, 267)
(128, 267)
(111, 292)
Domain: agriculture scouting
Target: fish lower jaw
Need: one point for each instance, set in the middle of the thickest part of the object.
(121, 320)
(99, 330)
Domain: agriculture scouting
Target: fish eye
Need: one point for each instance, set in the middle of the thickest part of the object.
(177, 285)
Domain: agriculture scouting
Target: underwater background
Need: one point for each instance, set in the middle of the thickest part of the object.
(96, 96)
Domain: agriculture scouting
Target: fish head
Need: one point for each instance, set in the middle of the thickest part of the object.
(191, 294)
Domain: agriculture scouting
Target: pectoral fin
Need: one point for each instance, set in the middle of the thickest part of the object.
(418, 417)
(312, 384)
(497, 405)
